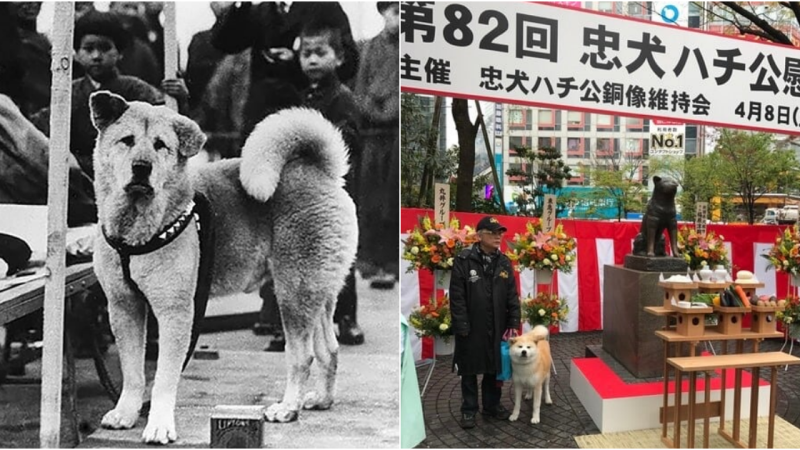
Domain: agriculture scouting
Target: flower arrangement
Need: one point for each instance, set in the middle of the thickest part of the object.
(536, 249)
(791, 314)
(544, 309)
(702, 250)
(433, 319)
(434, 247)
(784, 255)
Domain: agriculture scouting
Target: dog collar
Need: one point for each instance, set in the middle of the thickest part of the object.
(162, 238)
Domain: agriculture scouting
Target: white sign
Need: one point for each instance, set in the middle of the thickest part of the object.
(671, 13)
(441, 203)
(549, 213)
(555, 57)
(667, 138)
(700, 217)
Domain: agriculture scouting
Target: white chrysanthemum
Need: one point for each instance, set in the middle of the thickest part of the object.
(542, 312)
(414, 250)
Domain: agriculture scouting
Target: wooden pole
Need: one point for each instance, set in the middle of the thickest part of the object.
(60, 112)
(170, 50)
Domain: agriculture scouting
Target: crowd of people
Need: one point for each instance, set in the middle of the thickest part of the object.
(253, 62)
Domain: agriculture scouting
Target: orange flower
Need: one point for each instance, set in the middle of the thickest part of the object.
(436, 258)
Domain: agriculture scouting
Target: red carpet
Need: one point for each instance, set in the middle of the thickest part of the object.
(609, 385)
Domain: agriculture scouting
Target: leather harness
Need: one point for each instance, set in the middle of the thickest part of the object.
(200, 210)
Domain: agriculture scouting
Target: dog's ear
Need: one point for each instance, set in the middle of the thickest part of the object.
(106, 108)
(656, 179)
(190, 137)
(512, 341)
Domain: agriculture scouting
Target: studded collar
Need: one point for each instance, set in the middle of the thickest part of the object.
(161, 239)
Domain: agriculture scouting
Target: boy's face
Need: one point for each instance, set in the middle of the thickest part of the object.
(98, 55)
(317, 58)
(390, 18)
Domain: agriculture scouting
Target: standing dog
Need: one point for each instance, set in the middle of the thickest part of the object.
(530, 369)
(281, 211)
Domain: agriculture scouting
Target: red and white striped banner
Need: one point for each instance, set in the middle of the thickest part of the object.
(598, 244)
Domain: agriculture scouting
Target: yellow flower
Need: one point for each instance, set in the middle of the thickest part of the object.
(414, 250)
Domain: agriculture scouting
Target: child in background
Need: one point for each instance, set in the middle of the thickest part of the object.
(99, 41)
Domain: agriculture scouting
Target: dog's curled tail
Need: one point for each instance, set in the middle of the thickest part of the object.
(295, 133)
(540, 333)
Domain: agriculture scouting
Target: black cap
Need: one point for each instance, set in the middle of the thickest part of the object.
(491, 224)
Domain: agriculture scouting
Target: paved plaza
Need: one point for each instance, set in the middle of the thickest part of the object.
(561, 421)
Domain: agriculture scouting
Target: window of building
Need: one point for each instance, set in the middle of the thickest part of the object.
(605, 148)
(634, 147)
(575, 147)
(605, 122)
(634, 8)
(605, 7)
(547, 118)
(515, 142)
(516, 118)
(574, 120)
(634, 124)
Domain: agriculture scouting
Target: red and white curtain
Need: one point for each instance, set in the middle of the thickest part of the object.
(598, 244)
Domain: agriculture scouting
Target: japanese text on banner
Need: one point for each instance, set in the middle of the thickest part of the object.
(701, 217)
(596, 62)
(441, 207)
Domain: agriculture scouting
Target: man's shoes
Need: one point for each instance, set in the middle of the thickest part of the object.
(349, 332)
(499, 412)
(467, 420)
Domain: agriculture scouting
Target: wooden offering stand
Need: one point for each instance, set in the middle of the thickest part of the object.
(691, 321)
(730, 318)
(679, 291)
(764, 318)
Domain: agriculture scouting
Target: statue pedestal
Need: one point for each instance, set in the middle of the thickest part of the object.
(628, 331)
(656, 264)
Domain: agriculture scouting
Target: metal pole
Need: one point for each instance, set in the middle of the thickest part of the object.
(170, 50)
(60, 112)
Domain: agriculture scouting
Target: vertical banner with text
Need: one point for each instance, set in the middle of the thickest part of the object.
(441, 201)
(549, 213)
(701, 217)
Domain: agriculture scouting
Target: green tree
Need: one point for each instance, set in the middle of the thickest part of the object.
(544, 173)
(701, 183)
(619, 186)
(751, 166)
(467, 131)
(420, 160)
(767, 20)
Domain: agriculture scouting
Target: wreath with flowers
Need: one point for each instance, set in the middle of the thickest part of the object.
(435, 246)
(538, 249)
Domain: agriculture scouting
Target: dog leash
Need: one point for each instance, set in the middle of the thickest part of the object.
(200, 210)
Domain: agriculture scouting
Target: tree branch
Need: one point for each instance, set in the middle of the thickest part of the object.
(773, 33)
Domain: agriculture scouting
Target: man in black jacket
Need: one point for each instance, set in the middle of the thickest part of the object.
(484, 304)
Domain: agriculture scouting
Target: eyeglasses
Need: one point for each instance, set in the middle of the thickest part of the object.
(493, 233)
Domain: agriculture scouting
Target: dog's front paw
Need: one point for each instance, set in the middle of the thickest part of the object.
(548, 401)
(120, 418)
(314, 400)
(513, 417)
(529, 396)
(159, 430)
(280, 413)
(535, 419)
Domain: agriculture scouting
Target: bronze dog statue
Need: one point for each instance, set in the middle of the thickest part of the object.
(660, 215)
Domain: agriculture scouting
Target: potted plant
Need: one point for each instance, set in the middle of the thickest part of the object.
(703, 253)
(544, 252)
(434, 247)
(545, 309)
(434, 320)
(784, 255)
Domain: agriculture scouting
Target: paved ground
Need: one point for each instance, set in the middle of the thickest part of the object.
(561, 421)
(365, 414)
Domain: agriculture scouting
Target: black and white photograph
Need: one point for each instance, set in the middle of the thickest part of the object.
(199, 211)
